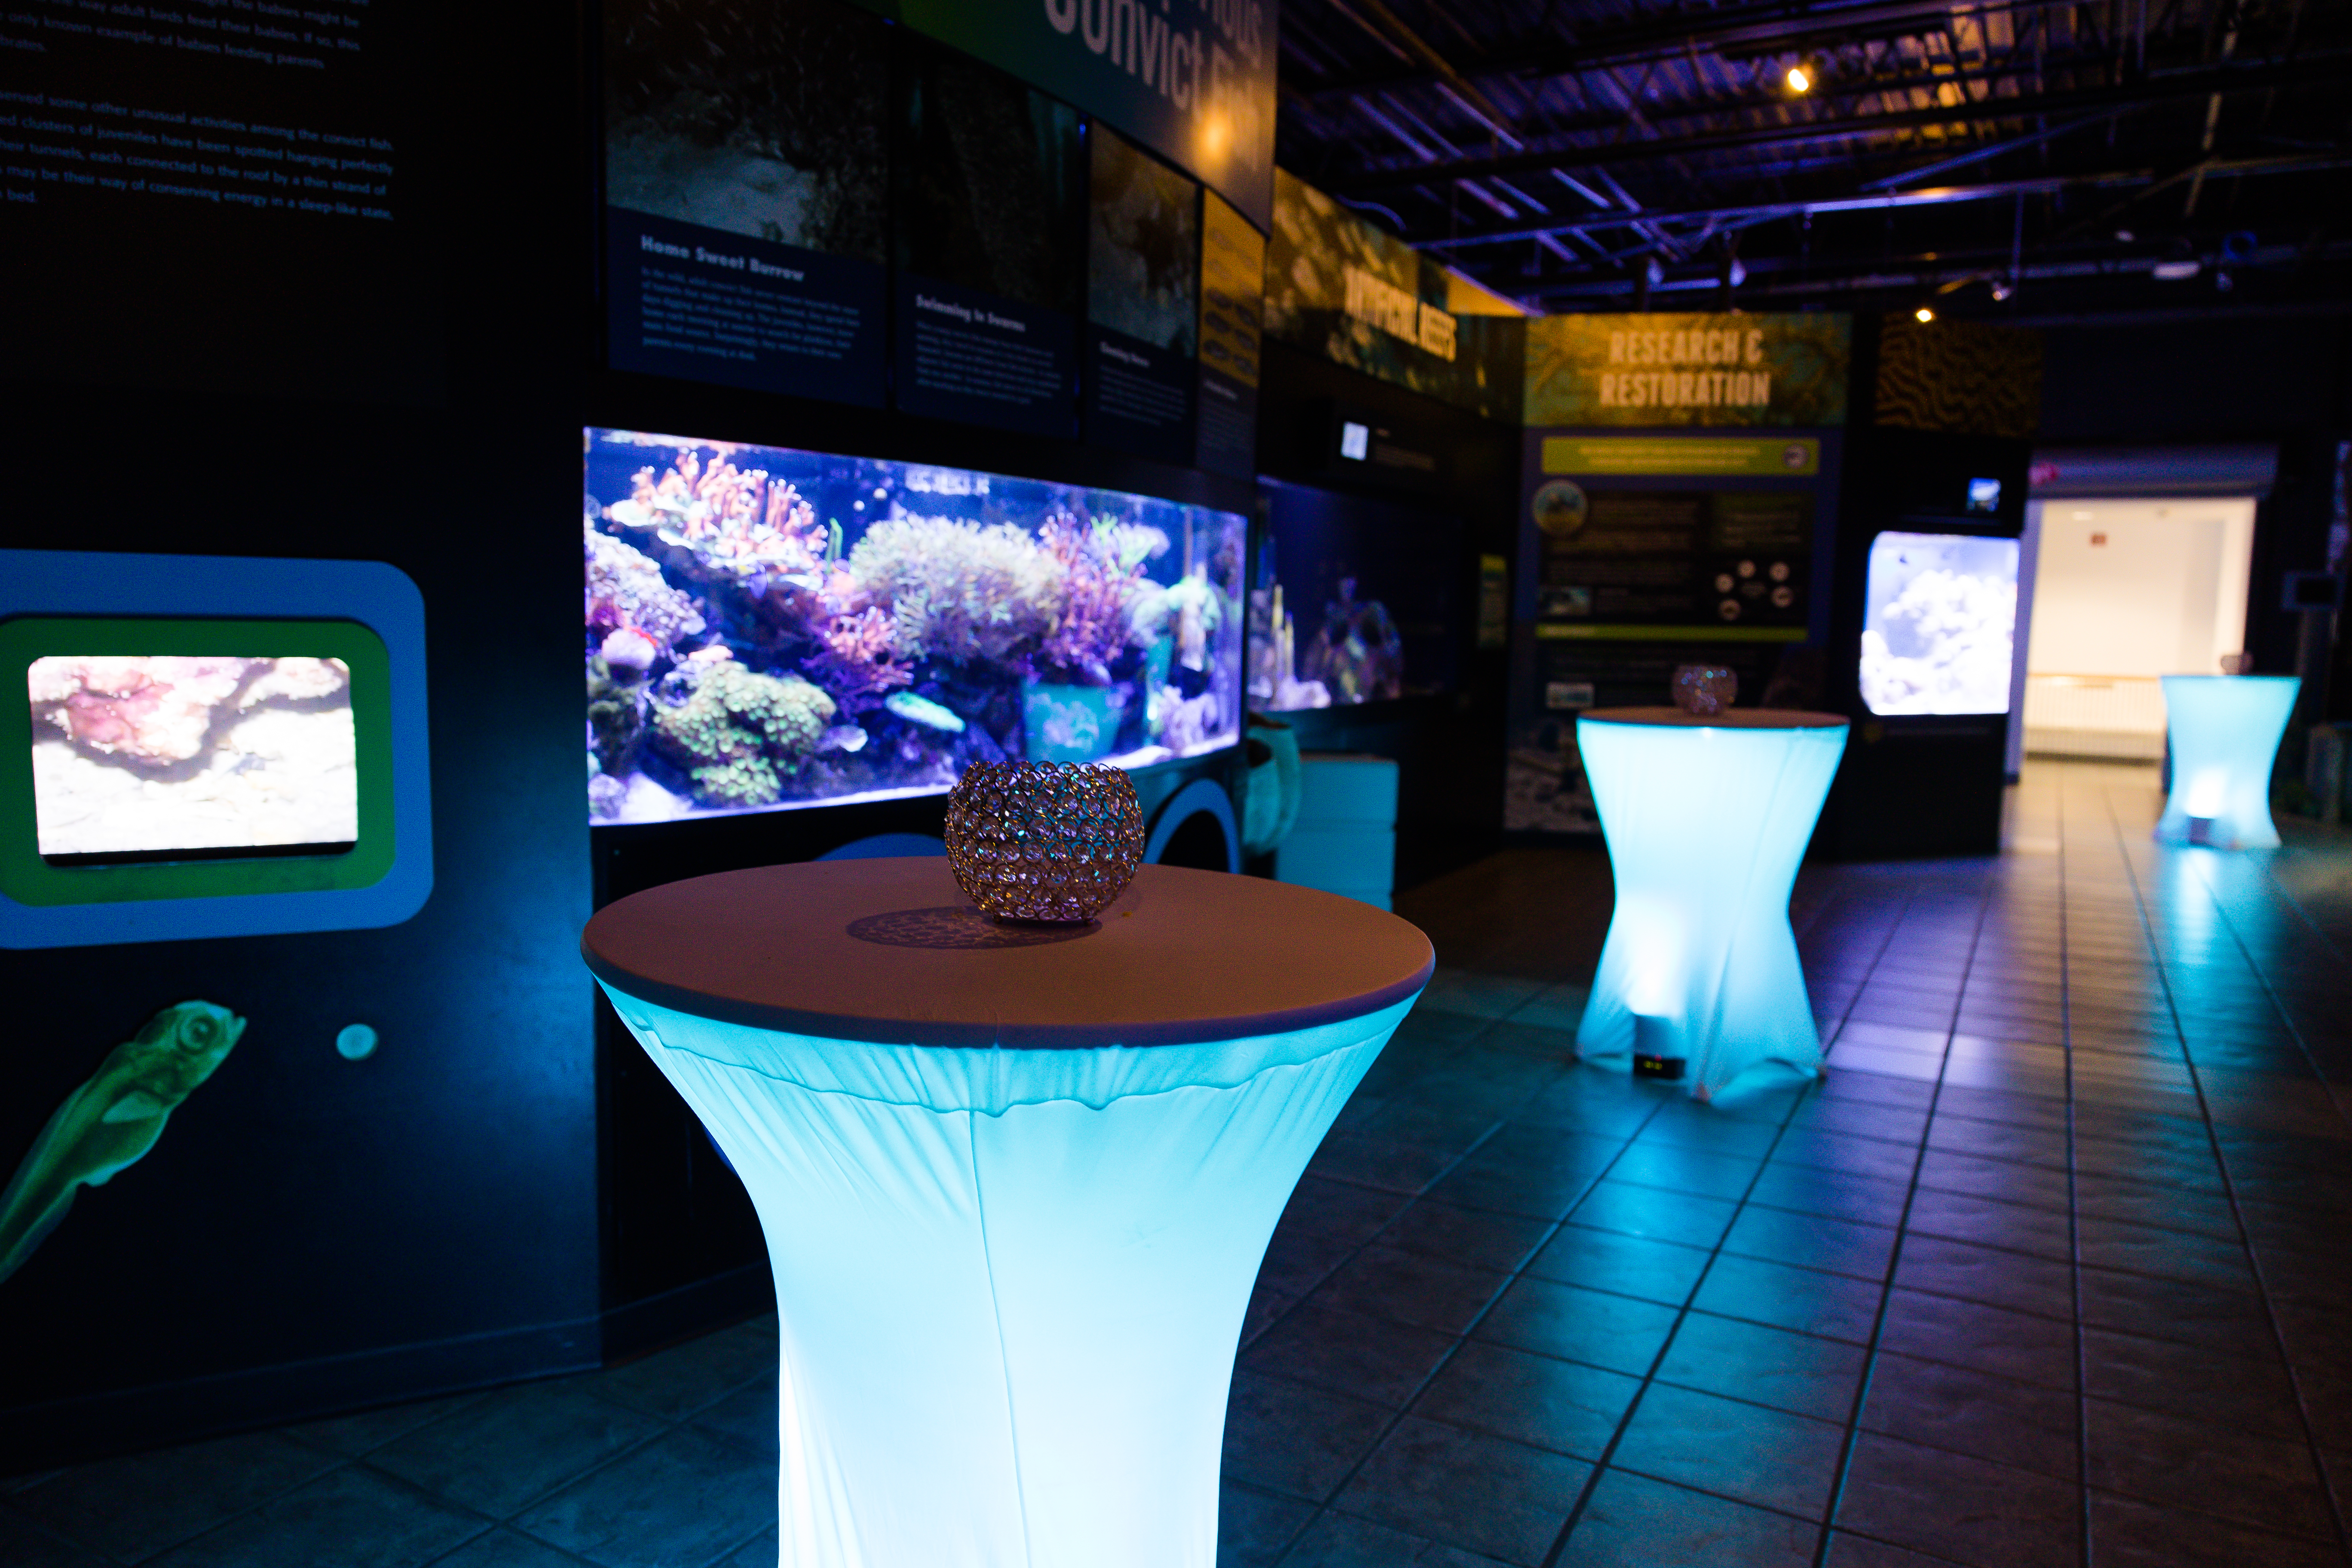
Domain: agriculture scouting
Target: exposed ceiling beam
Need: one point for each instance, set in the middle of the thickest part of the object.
(2200, 84)
(1750, 213)
(1652, 37)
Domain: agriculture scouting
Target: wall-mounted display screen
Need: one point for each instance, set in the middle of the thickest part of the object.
(745, 188)
(175, 757)
(769, 629)
(1349, 604)
(1939, 624)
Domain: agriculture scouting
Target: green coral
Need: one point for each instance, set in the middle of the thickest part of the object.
(616, 715)
(960, 590)
(741, 734)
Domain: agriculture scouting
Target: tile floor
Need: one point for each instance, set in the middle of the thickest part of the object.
(2049, 1270)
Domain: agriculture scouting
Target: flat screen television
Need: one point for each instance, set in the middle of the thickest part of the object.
(1939, 624)
(1349, 601)
(769, 629)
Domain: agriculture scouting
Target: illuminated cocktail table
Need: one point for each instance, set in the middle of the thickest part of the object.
(1016, 1182)
(1707, 820)
(2224, 732)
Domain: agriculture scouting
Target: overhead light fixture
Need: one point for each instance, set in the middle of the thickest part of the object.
(2175, 271)
(2222, 283)
(1735, 274)
(2002, 289)
(1800, 78)
(1923, 315)
(2124, 235)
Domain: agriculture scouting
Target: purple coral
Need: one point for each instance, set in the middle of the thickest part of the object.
(1098, 589)
(859, 661)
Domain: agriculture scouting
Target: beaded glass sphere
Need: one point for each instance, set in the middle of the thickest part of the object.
(1704, 690)
(1044, 841)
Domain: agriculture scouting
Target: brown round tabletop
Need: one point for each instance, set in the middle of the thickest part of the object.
(1729, 719)
(891, 951)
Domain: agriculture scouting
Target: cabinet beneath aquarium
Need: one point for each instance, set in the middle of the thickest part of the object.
(768, 629)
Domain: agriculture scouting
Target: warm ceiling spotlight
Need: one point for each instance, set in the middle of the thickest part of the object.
(1800, 79)
(1923, 315)
(2002, 289)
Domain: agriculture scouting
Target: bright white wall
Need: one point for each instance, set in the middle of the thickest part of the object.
(2165, 595)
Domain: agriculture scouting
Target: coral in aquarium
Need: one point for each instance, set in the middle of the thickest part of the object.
(737, 522)
(738, 734)
(858, 662)
(768, 628)
(958, 590)
(1358, 656)
(626, 590)
(1101, 569)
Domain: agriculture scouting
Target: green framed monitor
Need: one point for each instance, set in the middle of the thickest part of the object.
(172, 772)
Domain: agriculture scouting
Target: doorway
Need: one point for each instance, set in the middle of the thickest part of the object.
(2126, 592)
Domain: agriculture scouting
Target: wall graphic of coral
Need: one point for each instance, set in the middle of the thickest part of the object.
(766, 628)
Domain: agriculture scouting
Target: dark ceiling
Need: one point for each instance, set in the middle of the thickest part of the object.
(2017, 159)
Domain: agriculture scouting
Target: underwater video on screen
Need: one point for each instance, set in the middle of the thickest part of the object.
(1349, 601)
(191, 757)
(769, 629)
(1939, 624)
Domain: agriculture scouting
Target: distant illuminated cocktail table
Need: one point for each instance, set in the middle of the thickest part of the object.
(2224, 731)
(1016, 1180)
(1707, 820)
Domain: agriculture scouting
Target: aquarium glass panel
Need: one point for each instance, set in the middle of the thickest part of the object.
(1939, 624)
(770, 628)
(191, 756)
(1351, 600)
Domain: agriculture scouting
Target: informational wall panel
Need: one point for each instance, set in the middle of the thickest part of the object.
(224, 198)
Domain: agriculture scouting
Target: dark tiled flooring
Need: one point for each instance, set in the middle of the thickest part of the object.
(2049, 1270)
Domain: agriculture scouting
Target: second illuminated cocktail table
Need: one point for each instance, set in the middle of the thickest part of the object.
(1016, 1180)
(1707, 819)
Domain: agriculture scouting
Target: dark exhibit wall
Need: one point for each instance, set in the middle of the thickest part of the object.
(1424, 517)
(355, 1166)
(295, 143)
(317, 1226)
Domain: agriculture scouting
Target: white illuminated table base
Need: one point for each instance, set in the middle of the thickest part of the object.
(1009, 1281)
(1707, 820)
(2224, 731)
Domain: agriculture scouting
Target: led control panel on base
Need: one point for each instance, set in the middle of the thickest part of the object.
(209, 746)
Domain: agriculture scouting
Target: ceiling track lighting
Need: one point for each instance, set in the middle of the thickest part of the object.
(1924, 314)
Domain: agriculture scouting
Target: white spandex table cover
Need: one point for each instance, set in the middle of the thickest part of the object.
(1009, 1282)
(1706, 821)
(2225, 732)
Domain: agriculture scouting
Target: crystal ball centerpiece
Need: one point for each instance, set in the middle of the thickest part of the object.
(1044, 841)
(1704, 690)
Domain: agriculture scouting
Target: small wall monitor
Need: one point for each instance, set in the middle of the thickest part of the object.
(1984, 496)
(1355, 441)
(1939, 624)
(769, 629)
(181, 773)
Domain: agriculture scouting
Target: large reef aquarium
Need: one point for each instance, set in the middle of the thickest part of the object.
(768, 629)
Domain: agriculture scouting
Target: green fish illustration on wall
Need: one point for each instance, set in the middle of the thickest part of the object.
(110, 1121)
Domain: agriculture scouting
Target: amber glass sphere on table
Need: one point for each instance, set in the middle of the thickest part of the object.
(1044, 841)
